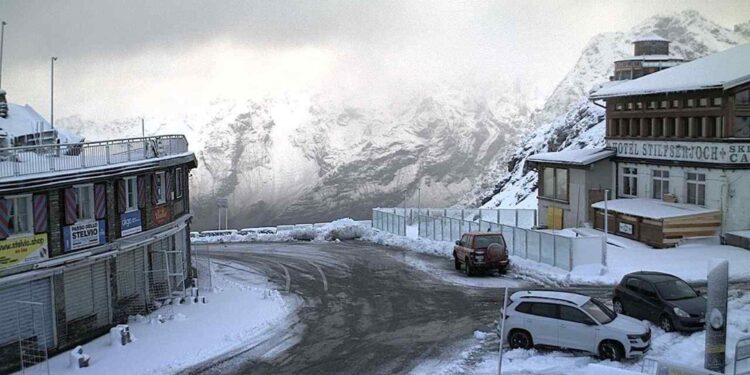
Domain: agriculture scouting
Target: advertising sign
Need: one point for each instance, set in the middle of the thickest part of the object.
(625, 228)
(29, 249)
(161, 215)
(84, 234)
(130, 223)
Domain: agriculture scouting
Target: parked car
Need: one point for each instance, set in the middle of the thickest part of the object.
(481, 251)
(246, 231)
(218, 233)
(573, 321)
(661, 298)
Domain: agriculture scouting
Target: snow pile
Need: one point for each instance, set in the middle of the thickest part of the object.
(241, 311)
(416, 244)
(341, 229)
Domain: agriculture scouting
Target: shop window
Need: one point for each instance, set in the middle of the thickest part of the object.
(630, 182)
(555, 184)
(131, 193)
(742, 97)
(696, 188)
(85, 202)
(20, 217)
(742, 127)
(660, 182)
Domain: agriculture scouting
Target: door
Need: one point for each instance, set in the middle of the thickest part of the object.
(86, 291)
(38, 291)
(650, 301)
(543, 323)
(554, 218)
(630, 298)
(576, 330)
(461, 251)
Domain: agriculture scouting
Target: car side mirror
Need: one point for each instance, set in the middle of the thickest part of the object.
(698, 293)
(458, 242)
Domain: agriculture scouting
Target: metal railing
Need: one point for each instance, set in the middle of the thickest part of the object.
(31, 160)
(553, 249)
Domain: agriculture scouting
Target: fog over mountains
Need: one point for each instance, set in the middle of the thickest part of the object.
(314, 156)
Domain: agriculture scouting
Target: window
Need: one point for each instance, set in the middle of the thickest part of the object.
(696, 188)
(573, 314)
(648, 290)
(663, 104)
(633, 285)
(524, 307)
(20, 218)
(599, 311)
(178, 182)
(717, 102)
(547, 310)
(675, 103)
(660, 183)
(131, 194)
(630, 181)
(742, 97)
(703, 102)
(630, 106)
(691, 103)
(161, 188)
(652, 105)
(618, 107)
(85, 202)
(742, 127)
(555, 183)
(465, 240)
(639, 105)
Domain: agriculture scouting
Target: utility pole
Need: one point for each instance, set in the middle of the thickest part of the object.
(606, 232)
(2, 44)
(52, 91)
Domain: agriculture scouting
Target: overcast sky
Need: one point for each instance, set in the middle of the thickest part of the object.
(127, 58)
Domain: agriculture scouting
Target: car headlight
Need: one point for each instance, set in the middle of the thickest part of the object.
(681, 313)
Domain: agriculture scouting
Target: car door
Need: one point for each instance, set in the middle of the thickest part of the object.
(630, 298)
(543, 323)
(651, 305)
(576, 330)
(463, 248)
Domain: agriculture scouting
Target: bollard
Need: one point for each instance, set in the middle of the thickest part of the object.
(716, 315)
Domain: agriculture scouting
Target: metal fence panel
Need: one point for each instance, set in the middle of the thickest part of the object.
(562, 252)
(519, 242)
(548, 249)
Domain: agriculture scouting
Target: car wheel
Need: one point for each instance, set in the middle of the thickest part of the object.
(665, 322)
(469, 268)
(617, 306)
(518, 339)
(611, 350)
(457, 263)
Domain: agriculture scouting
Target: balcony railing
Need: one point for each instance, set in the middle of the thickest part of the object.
(37, 160)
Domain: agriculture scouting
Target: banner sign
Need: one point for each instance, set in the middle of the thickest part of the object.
(29, 249)
(130, 223)
(162, 215)
(84, 234)
(705, 152)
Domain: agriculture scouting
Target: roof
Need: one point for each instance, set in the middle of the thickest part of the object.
(477, 233)
(652, 208)
(653, 276)
(650, 38)
(578, 299)
(722, 70)
(22, 120)
(652, 58)
(573, 157)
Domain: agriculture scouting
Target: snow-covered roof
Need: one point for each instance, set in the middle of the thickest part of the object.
(650, 38)
(575, 157)
(652, 58)
(652, 208)
(576, 298)
(22, 120)
(725, 70)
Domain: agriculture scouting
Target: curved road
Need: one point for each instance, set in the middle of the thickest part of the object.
(366, 309)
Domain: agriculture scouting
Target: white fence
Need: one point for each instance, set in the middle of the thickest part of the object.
(548, 248)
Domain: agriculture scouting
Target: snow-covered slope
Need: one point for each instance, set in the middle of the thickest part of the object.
(568, 121)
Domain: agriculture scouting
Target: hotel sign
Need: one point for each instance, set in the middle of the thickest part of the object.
(703, 152)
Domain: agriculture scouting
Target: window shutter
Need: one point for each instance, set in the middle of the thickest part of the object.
(100, 201)
(71, 215)
(168, 185)
(141, 191)
(154, 197)
(4, 218)
(122, 199)
(40, 213)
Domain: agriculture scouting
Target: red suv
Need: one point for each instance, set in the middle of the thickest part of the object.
(480, 251)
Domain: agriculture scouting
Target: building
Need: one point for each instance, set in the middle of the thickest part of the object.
(650, 55)
(90, 232)
(680, 139)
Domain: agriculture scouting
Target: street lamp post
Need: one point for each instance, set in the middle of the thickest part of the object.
(52, 91)
(2, 44)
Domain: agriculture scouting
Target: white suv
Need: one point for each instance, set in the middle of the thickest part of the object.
(573, 321)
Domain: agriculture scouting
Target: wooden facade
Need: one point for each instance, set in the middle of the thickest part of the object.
(659, 233)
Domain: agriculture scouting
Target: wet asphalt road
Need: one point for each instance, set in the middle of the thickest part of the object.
(364, 309)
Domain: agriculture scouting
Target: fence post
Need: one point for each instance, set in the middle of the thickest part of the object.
(570, 256)
(107, 149)
(516, 216)
(497, 213)
(554, 250)
(462, 214)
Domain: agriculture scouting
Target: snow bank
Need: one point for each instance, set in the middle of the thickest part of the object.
(242, 310)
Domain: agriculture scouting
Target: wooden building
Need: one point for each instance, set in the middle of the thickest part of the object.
(650, 55)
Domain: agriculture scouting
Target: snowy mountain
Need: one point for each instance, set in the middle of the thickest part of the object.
(310, 157)
(568, 121)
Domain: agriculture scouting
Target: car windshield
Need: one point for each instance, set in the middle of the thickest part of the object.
(485, 241)
(599, 311)
(676, 289)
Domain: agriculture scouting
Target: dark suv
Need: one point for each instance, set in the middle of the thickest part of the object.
(661, 298)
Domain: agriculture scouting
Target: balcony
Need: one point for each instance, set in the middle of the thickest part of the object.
(46, 159)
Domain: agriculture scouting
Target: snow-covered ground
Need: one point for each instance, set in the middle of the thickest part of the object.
(686, 350)
(243, 309)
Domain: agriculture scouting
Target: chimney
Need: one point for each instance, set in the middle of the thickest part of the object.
(3, 104)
